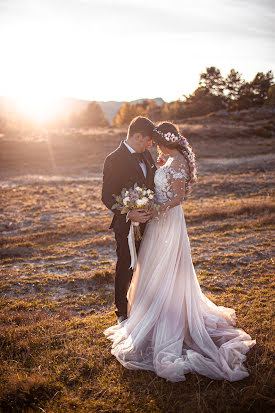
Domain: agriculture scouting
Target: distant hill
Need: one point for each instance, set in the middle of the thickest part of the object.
(69, 105)
(110, 108)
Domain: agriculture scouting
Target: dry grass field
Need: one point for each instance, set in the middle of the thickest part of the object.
(58, 260)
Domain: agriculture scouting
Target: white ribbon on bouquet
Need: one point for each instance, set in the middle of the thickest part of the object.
(132, 245)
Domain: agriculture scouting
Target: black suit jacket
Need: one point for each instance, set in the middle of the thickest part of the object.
(122, 170)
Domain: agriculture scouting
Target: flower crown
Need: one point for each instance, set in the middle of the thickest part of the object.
(171, 137)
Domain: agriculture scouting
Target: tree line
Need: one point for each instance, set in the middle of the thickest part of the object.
(213, 93)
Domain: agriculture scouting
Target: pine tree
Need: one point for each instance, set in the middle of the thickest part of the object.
(126, 113)
(172, 110)
(260, 85)
(255, 93)
(93, 116)
(271, 95)
(213, 81)
(201, 102)
(233, 84)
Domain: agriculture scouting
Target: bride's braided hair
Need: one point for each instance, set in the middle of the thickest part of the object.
(167, 134)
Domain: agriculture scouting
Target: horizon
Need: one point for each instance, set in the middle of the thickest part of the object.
(93, 100)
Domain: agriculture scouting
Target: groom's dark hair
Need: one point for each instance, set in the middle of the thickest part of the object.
(141, 125)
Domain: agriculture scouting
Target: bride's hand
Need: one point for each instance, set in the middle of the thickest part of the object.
(153, 213)
(139, 215)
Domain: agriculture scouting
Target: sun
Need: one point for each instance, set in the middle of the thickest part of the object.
(36, 107)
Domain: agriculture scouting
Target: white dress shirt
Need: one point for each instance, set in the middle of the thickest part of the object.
(142, 164)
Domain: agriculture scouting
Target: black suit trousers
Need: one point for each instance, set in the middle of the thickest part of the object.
(123, 272)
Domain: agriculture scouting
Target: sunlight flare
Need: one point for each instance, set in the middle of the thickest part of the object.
(36, 107)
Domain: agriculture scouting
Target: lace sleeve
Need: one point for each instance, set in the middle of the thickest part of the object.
(177, 179)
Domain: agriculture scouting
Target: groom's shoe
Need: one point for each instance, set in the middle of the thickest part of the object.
(120, 319)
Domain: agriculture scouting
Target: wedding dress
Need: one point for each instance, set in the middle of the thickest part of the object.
(172, 327)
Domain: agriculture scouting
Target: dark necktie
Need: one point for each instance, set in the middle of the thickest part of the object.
(138, 156)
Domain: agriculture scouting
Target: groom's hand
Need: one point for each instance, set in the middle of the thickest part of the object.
(139, 215)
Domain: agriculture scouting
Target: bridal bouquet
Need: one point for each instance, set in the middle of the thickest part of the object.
(134, 198)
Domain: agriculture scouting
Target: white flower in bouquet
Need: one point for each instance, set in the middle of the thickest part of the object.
(126, 200)
(142, 202)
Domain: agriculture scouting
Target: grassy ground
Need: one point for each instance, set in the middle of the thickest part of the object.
(57, 272)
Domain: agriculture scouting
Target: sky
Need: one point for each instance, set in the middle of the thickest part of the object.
(129, 49)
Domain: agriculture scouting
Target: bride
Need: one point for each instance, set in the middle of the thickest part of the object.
(172, 327)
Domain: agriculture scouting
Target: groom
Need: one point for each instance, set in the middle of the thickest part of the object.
(130, 163)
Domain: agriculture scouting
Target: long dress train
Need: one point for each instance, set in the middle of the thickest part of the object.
(172, 327)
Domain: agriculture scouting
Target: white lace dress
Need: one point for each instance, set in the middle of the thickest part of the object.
(172, 327)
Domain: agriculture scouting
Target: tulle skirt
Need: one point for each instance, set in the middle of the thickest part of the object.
(172, 327)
